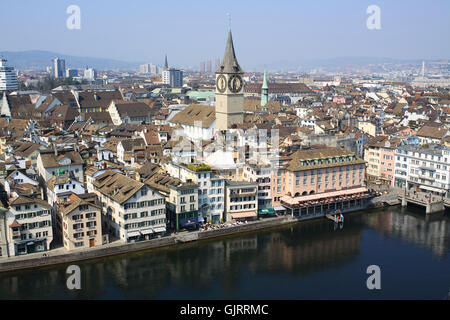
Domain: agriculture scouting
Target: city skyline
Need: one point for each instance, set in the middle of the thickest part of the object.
(288, 34)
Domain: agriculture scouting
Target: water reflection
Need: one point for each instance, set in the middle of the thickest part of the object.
(429, 231)
(198, 269)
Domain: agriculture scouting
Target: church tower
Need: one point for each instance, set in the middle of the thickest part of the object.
(229, 90)
(264, 91)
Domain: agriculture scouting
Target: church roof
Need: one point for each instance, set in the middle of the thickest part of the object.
(229, 62)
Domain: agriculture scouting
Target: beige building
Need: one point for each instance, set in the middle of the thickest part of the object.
(132, 210)
(181, 200)
(241, 200)
(80, 224)
(368, 127)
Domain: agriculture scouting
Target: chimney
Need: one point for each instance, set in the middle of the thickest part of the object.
(55, 150)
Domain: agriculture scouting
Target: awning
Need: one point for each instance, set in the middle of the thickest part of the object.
(159, 229)
(279, 208)
(147, 231)
(184, 223)
(432, 189)
(133, 234)
(243, 214)
(266, 211)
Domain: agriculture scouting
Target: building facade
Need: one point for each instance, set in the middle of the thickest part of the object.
(8, 77)
(425, 169)
(79, 222)
(29, 226)
(132, 211)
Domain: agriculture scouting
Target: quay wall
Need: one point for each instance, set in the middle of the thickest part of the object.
(93, 253)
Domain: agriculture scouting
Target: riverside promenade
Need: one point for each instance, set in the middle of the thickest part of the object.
(62, 256)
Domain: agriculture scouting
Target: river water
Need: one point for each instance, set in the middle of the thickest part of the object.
(306, 260)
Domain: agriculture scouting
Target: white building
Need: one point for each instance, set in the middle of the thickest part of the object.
(8, 77)
(59, 68)
(132, 210)
(173, 77)
(425, 168)
(29, 226)
(61, 187)
(262, 175)
(211, 189)
(90, 74)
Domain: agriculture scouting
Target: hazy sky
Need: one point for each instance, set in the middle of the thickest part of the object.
(264, 31)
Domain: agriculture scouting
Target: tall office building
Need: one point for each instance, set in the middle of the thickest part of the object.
(59, 68)
(208, 66)
(70, 73)
(171, 76)
(90, 74)
(8, 77)
(202, 66)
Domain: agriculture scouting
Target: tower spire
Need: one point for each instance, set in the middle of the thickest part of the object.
(229, 62)
(264, 91)
(166, 65)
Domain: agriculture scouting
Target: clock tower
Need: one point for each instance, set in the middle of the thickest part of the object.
(229, 90)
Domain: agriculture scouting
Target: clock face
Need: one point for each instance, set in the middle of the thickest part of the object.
(235, 83)
(221, 83)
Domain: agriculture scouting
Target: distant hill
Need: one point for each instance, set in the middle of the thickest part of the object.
(38, 60)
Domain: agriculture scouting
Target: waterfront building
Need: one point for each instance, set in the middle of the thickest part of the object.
(424, 169)
(8, 77)
(379, 155)
(3, 234)
(181, 200)
(56, 163)
(211, 188)
(261, 174)
(79, 223)
(241, 201)
(331, 174)
(229, 90)
(29, 224)
(59, 68)
(132, 210)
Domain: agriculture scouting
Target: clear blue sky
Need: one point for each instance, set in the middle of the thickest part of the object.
(263, 31)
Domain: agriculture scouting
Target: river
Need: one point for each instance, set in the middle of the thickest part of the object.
(306, 260)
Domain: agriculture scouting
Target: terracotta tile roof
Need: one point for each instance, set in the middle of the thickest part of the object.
(196, 113)
(117, 186)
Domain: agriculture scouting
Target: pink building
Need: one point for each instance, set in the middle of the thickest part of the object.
(308, 172)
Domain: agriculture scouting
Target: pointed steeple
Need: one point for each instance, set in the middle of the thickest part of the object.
(264, 91)
(264, 85)
(229, 62)
(5, 111)
(166, 65)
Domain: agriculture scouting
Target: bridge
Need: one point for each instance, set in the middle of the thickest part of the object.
(432, 203)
